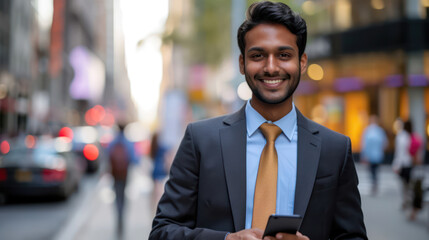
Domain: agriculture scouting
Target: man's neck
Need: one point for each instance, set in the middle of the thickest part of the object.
(272, 112)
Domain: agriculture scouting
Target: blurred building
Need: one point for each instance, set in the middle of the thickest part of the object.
(173, 107)
(57, 61)
(18, 63)
(366, 57)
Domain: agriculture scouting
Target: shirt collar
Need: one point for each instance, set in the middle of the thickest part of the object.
(254, 120)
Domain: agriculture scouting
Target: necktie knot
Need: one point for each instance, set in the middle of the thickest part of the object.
(270, 131)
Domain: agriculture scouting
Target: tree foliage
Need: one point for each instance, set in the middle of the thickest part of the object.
(210, 41)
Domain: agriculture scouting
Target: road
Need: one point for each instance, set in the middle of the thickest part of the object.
(41, 218)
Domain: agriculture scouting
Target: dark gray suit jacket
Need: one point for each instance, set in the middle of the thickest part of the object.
(205, 196)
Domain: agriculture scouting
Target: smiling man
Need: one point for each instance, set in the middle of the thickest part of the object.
(232, 172)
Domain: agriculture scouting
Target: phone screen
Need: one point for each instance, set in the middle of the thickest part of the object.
(282, 223)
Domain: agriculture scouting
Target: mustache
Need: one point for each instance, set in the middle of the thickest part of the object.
(280, 76)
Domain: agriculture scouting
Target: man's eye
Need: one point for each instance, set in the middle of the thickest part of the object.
(256, 56)
(284, 55)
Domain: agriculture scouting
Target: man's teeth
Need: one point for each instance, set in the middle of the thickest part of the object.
(273, 81)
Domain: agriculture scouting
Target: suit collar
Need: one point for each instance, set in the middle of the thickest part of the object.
(303, 122)
(254, 120)
(236, 117)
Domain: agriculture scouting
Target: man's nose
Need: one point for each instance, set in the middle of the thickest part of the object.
(271, 65)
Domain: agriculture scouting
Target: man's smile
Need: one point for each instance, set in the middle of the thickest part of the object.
(272, 81)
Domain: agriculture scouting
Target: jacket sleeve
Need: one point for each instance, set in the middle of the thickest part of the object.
(176, 213)
(348, 216)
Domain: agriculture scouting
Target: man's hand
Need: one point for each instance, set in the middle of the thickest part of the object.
(247, 234)
(286, 236)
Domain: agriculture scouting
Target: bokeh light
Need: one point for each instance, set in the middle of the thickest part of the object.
(5, 147)
(315, 72)
(85, 134)
(90, 151)
(66, 132)
(30, 141)
(244, 91)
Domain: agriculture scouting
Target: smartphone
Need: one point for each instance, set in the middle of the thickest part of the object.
(282, 223)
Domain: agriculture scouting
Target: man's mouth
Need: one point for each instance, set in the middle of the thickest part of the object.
(274, 81)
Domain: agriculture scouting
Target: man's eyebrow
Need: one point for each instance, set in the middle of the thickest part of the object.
(285, 48)
(260, 49)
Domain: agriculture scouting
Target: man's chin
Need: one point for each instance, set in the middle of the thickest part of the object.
(272, 101)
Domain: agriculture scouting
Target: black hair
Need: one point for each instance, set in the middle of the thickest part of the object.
(278, 13)
(408, 126)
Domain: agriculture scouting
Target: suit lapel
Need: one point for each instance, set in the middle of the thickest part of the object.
(233, 141)
(309, 145)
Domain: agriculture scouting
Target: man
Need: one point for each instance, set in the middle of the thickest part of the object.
(374, 142)
(214, 186)
(121, 154)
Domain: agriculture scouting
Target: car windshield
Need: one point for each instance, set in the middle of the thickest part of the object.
(27, 157)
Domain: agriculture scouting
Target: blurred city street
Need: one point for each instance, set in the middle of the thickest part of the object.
(81, 79)
(93, 217)
(101, 219)
(384, 218)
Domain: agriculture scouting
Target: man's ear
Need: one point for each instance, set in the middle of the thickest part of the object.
(303, 62)
(241, 63)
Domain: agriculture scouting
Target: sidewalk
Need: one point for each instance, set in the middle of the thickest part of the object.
(384, 218)
(101, 223)
(383, 215)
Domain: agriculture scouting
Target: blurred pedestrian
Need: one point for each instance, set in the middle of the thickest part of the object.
(158, 154)
(232, 172)
(402, 161)
(121, 154)
(417, 172)
(374, 143)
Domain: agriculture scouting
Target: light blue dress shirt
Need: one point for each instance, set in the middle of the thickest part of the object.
(286, 146)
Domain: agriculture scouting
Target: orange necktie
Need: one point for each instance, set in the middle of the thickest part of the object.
(266, 183)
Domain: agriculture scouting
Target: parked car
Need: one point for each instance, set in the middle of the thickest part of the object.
(47, 168)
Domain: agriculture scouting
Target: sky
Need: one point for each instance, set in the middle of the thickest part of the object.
(143, 23)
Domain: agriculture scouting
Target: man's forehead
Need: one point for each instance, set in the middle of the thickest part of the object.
(270, 35)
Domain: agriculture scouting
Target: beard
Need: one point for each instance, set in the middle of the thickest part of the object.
(293, 84)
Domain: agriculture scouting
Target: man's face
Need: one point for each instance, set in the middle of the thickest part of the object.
(271, 63)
